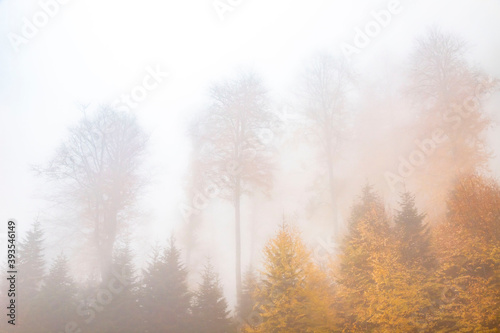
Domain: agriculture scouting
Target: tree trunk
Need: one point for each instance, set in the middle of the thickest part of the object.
(332, 187)
(237, 194)
(107, 245)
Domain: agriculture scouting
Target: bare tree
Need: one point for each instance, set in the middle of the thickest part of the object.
(448, 94)
(448, 91)
(325, 87)
(97, 170)
(235, 150)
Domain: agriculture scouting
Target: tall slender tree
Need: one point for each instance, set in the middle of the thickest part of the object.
(324, 96)
(235, 152)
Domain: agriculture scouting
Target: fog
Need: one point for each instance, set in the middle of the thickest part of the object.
(329, 96)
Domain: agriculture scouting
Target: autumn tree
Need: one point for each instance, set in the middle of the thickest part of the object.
(210, 312)
(234, 155)
(403, 285)
(294, 295)
(449, 96)
(469, 252)
(324, 94)
(363, 245)
(97, 170)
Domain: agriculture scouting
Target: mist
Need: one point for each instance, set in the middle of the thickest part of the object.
(174, 151)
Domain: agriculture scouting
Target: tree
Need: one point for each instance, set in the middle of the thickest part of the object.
(384, 275)
(32, 266)
(98, 170)
(234, 154)
(397, 298)
(31, 261)
(325, 89)
(412, 233)
(151, 292)
(469, 252)
(165, 296)
(122, 314)
(210, 313)
(57, 297)
(247, 304)
(177, 298)
(449, 95)
(293, 295)
(362, 247)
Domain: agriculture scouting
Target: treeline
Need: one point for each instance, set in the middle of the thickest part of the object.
(156, 300)
(393, 275)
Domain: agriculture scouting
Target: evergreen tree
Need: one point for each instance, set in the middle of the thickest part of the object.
(248, 302)
(31, 261)
(121, 314)
(396, 298)
(177, 297)
(366, 240)
(165, 295)
(294, 294)
(31, 272)
(402, 274)
(412, 233)
(58, 298)
(151, 293)
(210, 313)
(469, 251)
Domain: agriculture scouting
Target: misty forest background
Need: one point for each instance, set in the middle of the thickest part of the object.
(409, 244)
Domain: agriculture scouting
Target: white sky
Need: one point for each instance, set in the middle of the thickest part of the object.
(93, 51)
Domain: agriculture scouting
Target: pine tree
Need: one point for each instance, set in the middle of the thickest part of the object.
(210, 313)
(177, 298)
(31, 261)
(402, 273)
(469, 251)
(248, 302)
(398, 295)
(151, 292)
(122, 313)
(165, 295)
(32, 269)
(58, 298)
(366, 241)
(293, 295)
(412, 232)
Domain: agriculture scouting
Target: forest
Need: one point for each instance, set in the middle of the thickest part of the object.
(397, 171)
